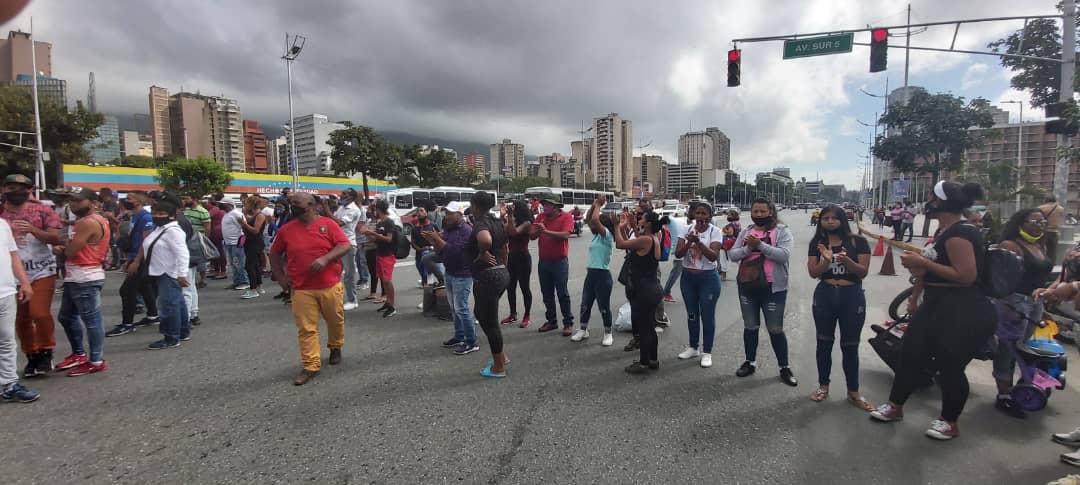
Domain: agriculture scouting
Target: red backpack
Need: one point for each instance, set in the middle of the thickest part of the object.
(665, 243)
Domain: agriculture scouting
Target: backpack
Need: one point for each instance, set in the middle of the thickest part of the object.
(665, 243)
(402, 248)
(1001, 272)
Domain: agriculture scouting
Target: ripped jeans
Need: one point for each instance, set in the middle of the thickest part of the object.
(700, 290)
(755, 302)
(846, 306)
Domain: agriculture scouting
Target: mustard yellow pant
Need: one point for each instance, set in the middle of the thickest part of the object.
(307, 305)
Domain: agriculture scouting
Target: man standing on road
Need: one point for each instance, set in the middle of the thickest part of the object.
(311, 248)
(15, 288)
(80, 304)
(1055, 218)
(420, 244)
(231, 232)
(552, 230)
(347, 216)
(907, 220)
(136, 284)
(450, 245)
(164, 260)
(200, 222)
(385, 236)
(34, 227)
(110, 210)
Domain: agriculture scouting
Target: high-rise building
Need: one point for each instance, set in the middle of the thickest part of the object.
(581, 154)
(104, 147)
(683, 180)
(226, 133)
(281, 149)
(507, 159)
(313, 143)
(255, 157)
(710, 150)
(474, 161)
(612, 152)
(1039, 156)
(650, 175)
(189, 121)
(15, 57)
(50, 89)
(721, 148)
(129, 143)
(160, 127)
(785, 171)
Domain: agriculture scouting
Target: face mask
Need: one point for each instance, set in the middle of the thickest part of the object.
(81, 212)
(762, 221)
(732, 219)
(161, 221)
(297, 212)
(1029, 238)
(831, 231)
(16, 198)
(128, 204)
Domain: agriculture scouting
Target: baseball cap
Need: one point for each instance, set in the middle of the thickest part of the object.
(457, 206)
(18, 178)
(78, 193)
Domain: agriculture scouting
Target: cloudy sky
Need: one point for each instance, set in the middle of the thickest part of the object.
(483, 70)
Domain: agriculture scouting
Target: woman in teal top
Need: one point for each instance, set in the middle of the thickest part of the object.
(598, 281)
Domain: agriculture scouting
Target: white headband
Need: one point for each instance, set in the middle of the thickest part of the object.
(939, 190)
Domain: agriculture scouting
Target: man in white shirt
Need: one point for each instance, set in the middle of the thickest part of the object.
(363, 276)
(165, 256)
(14, 289)
(231, 231)
(347, 216)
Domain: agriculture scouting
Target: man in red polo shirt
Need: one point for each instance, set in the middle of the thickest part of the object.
(312, 246)
(552, 230)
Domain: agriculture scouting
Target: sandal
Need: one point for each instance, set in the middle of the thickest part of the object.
(820, 394)
(861, 403)
(369, 298)
(488, 373)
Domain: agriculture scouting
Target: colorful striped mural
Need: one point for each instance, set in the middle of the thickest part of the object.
(123, 179)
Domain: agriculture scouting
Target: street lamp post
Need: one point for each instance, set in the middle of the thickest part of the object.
(1019, 150)
(290, 55)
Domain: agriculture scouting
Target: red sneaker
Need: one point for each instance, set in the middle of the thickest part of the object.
(70, 361)
(524, 322)
(509, 320)
(668, 298)
(87, 368)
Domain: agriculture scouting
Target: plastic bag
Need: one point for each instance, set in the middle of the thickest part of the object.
(622, 320)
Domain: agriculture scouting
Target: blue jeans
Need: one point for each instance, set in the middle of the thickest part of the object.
(700, 290)
(676, 270)
(237, 263)
(420, 264)
(81, 302)
(457, 293)
(597, 287)
(362, 276)
(553, 276)
(845, 305)
(172, 309)
(754, 303)
(349, 277)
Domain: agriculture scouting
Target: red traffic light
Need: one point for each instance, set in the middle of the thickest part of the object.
(879, 35)
(733, 55)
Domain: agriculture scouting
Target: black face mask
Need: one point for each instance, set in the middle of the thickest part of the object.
(161, 221)
(16, 198)
(932, 208)
(732, 219)
(297, 212)
(85, 211)
(128, 205)
(830, 231)
(762, 221)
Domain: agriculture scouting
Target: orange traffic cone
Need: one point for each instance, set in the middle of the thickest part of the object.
(879, 250)
(887, 268)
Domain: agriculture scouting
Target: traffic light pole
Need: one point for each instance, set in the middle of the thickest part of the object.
(1068, 68)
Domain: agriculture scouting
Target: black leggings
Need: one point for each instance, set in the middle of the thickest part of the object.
(519, 264)
(253, 260)
(371, 260)
(134, 286)
(946, 332)
(643, 299)
(488, 287)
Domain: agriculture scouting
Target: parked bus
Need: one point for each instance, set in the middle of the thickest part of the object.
(580, 198)
(403, 201)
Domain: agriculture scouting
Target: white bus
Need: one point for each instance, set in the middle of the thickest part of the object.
(580, 198)
(404, 200)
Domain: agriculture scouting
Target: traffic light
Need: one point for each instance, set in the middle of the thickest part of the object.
(1066, 125)
(879, 49)
(734, 67)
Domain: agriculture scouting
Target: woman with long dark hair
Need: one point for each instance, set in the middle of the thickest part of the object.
(643, 289)
(953, 321)
(699, 249)
(763, 250)
(518, 221)
(1019, 312)
(486, 248)
(598, 283)
(840, 260)
(253, 223)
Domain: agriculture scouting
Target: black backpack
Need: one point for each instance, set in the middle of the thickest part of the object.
(402, 248)
(1001, 272)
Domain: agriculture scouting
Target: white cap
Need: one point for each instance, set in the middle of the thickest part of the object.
(457, 206)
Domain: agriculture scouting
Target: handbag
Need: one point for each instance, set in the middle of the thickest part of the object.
(751, 273)
(625, 276)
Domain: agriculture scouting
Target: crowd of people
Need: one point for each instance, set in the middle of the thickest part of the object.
(325, 251)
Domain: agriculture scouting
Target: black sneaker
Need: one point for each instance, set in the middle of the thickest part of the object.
(746, 369)
(1009, 407)
(148, 320)
(389, 312)
(164, 344)
(450, 343)
(45, 363)
(196, 321)
(632, 345)
(654, 364)
(637, 368)
(31, 369)
(185, 338)
(788, 378)
(120, 330)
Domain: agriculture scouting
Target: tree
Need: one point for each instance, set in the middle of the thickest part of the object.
(930, 134)
(138, 161)
(193, 177)
(830, 194)
(63, 133)
(428, 165)
(456, 174)
(359, 149)
(1041, 78)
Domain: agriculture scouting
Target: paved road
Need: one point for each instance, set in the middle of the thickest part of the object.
(402, 410)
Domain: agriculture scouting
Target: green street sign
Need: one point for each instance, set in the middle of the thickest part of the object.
(818, 46)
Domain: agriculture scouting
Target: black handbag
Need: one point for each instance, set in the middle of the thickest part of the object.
(625, 276)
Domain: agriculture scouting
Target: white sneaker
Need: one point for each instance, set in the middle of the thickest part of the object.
(1072, 438)
(1071, 458)
(689, 353)
(706, 360)
(364, 286)
(579, 335)
(420, 306)
(350, 306)
(608, 341)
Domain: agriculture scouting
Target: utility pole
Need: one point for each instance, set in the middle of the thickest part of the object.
(39, 166)
(1068, 66)
(907, 54)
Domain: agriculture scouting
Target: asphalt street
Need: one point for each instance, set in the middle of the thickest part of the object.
(400, 409)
